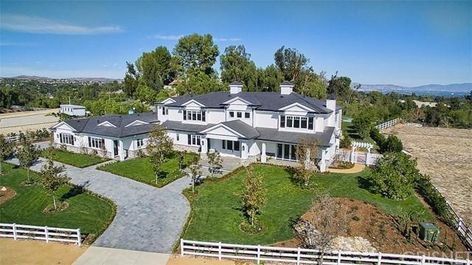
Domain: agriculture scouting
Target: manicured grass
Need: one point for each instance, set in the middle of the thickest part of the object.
(86, 211)
(74, 159)
(140, 169)
(216, 208)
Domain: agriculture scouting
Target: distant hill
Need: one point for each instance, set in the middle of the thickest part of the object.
(431, 89)
(82, 79)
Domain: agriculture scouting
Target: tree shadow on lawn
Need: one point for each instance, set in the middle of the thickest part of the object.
(364, 183)
(75, 190)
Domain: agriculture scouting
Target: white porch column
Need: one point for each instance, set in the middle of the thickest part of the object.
(322, 163)
(263, 153)
(244, 150)
(204, 145)
(121, 151)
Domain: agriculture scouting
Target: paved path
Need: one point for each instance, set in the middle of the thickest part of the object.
(113, 256)
(147, 218)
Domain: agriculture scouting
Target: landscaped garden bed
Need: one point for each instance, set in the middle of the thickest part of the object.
(73, 159)
(87, 211)
(140, 169)
(218, 202)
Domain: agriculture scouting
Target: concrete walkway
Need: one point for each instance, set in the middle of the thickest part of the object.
(147, 218)
(113, 256)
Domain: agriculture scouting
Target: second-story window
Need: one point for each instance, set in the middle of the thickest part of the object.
(298, 122)
(239, 114)
(231, 114)
(194, 115)
(247, 115)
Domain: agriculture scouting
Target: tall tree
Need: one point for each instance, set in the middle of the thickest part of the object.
(340, 86)
(6, 149)
(199, 83)
(269, 79)
(157, 68)
(236, 65)
(131, 79)
(52, 179)
(290, 63)
(254, 195)
(27, 154)
(196, 53)
(159, 147)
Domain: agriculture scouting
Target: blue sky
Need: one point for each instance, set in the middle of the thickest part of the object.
(397, 42)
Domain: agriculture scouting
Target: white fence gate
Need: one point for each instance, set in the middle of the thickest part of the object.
(357, 157)
(40, 233)
(305, 256)
(388, 124)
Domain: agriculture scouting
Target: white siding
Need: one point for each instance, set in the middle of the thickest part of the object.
(214, 116)
(265, 119)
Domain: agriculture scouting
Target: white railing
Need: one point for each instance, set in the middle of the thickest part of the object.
(388, 124)
(305, 256)
(45, 233)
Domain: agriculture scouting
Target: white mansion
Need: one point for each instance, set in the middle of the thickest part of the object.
(247, 125)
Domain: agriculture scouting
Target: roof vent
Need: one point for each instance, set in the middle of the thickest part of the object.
(286, 88)
(235, 87)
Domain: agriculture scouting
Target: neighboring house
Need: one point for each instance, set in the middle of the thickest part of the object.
(247, 125)
(114, 136)
(73, 110)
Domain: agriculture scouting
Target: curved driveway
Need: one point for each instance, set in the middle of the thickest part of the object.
(147, 218)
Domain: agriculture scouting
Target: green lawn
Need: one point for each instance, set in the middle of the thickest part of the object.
(86, 211)
(140, 169)
(216, 213)
(75, 159)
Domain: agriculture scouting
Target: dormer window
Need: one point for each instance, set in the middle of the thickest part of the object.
(231, 114)
(239, 114)
(247, 115)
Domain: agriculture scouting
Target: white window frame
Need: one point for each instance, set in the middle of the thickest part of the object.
(139, 143)
(66, 138)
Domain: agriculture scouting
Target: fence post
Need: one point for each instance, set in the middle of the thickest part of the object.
(339, 257)
(298, 256)
(181, 247)
(79, 237)
(219, 250)
(14, 231)
(258, 254)
(423, 259)
(46, 234)
(379, 261)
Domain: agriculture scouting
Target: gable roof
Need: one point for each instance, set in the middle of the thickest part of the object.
(92, 125)
(271, 101)
(237, 127)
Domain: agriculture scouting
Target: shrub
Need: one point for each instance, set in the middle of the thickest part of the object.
(434, 198)
(394, 176)
(392, 144)
(346, 141)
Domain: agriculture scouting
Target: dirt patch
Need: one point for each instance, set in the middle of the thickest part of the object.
(186, 260)
(6, 193)
(37, 252)
(355, 169)
(368, 222)
(445, 155)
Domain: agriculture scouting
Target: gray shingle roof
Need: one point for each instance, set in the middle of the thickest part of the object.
(179, 126)
(91, 125)
(241, 127)
(274, 135)
(271, 101)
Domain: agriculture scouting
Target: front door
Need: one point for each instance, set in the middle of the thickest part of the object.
(115, 147)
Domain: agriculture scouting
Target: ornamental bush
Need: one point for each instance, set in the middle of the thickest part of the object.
(394, 176)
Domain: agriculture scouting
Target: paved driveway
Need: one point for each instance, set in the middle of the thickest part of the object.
(147, 218)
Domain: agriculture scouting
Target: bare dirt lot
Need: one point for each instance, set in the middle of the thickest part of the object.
(37, 252)
(27, 120)
(445, 155)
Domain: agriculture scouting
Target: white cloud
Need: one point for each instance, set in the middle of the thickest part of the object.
(177, 37)
(32, 24)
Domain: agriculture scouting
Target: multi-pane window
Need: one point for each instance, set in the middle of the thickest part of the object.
(239, 114)
(287, 151)
(194, 115)
(165, 111)
(96, 142)
(247, 115)
(231, 114)
(66, 138)
(193, 139)
(230, 145)
(296, 122)
(139, 143)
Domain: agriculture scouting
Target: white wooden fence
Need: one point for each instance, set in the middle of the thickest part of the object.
(462, 229)
(357, 157)
(388, 124)
(45, 233)
(305, 256)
